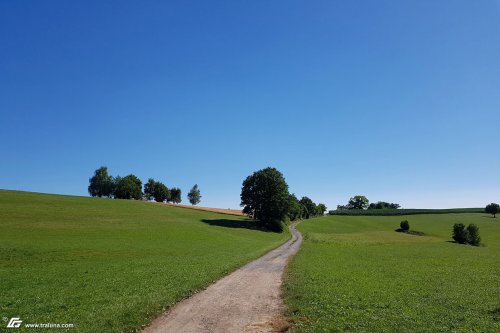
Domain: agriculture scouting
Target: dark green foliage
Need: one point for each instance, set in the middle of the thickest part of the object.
(358, 202)
(308, 208)
(265, 198)
(128, 187)
(194, 195)
(101, 184)
(321, 209)
(459, 233)
(383, 205)
(155, 190)
(305, 208)
(160, 192)
(294, 208)
(175, 195)
(391, 212)
(473, 237)
(469, 235)
(493, 209)
(149, 189)
(405, 226)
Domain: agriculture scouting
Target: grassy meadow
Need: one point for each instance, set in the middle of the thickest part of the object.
(356, 274)
(111, 265)
(390, 212)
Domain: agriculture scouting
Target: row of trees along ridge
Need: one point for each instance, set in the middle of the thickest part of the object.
(362, 202)
(102, 184)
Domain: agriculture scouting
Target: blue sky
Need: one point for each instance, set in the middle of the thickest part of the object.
(396, 100)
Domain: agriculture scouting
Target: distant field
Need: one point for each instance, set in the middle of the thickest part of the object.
(392, 212)
(210, 209)
(111, 265)
(356, 274)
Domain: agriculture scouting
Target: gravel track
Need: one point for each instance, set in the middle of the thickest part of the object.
(247, 300)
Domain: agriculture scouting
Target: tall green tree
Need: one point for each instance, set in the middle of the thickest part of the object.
(156, 190)
(294, 208)
(265, 197)
(321, 208)
(308, 208)
(101, 184)
(492, 209)
(194, 195)
(160, 192)
(358, 202)
(128, 187)
(149, 189)
(175, 195)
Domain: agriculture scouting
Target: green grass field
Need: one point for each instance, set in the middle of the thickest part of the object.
(356, 274)
(111, 265)
(390, 212)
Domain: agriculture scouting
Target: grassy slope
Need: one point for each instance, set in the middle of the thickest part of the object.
(355, 273)
(110, 265)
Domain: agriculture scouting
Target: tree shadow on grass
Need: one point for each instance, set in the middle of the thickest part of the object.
(241, 224)
(410, 232)
(464, 244)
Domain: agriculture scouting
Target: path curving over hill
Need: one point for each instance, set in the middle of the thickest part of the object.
(247, 300)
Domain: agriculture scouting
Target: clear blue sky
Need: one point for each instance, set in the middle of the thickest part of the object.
(396, 100)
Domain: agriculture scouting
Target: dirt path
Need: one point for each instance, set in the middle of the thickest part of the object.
(247, 300)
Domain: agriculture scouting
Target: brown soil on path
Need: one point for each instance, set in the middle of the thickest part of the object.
(247, 300)
(209, 209)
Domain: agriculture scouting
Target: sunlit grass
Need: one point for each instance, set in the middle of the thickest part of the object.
(110, 265)
(355, 273)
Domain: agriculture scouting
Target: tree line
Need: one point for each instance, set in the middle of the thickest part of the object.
(103, 185)
(362, 202)
(266, 199)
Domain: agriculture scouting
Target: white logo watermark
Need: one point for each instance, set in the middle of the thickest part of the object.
(14, 322)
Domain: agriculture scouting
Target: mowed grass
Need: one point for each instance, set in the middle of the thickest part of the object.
(111, 265)
(356, 274)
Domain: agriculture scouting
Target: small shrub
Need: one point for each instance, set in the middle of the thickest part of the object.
(459, 233)
(473, 235)
(469, 235)
(405, 226)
